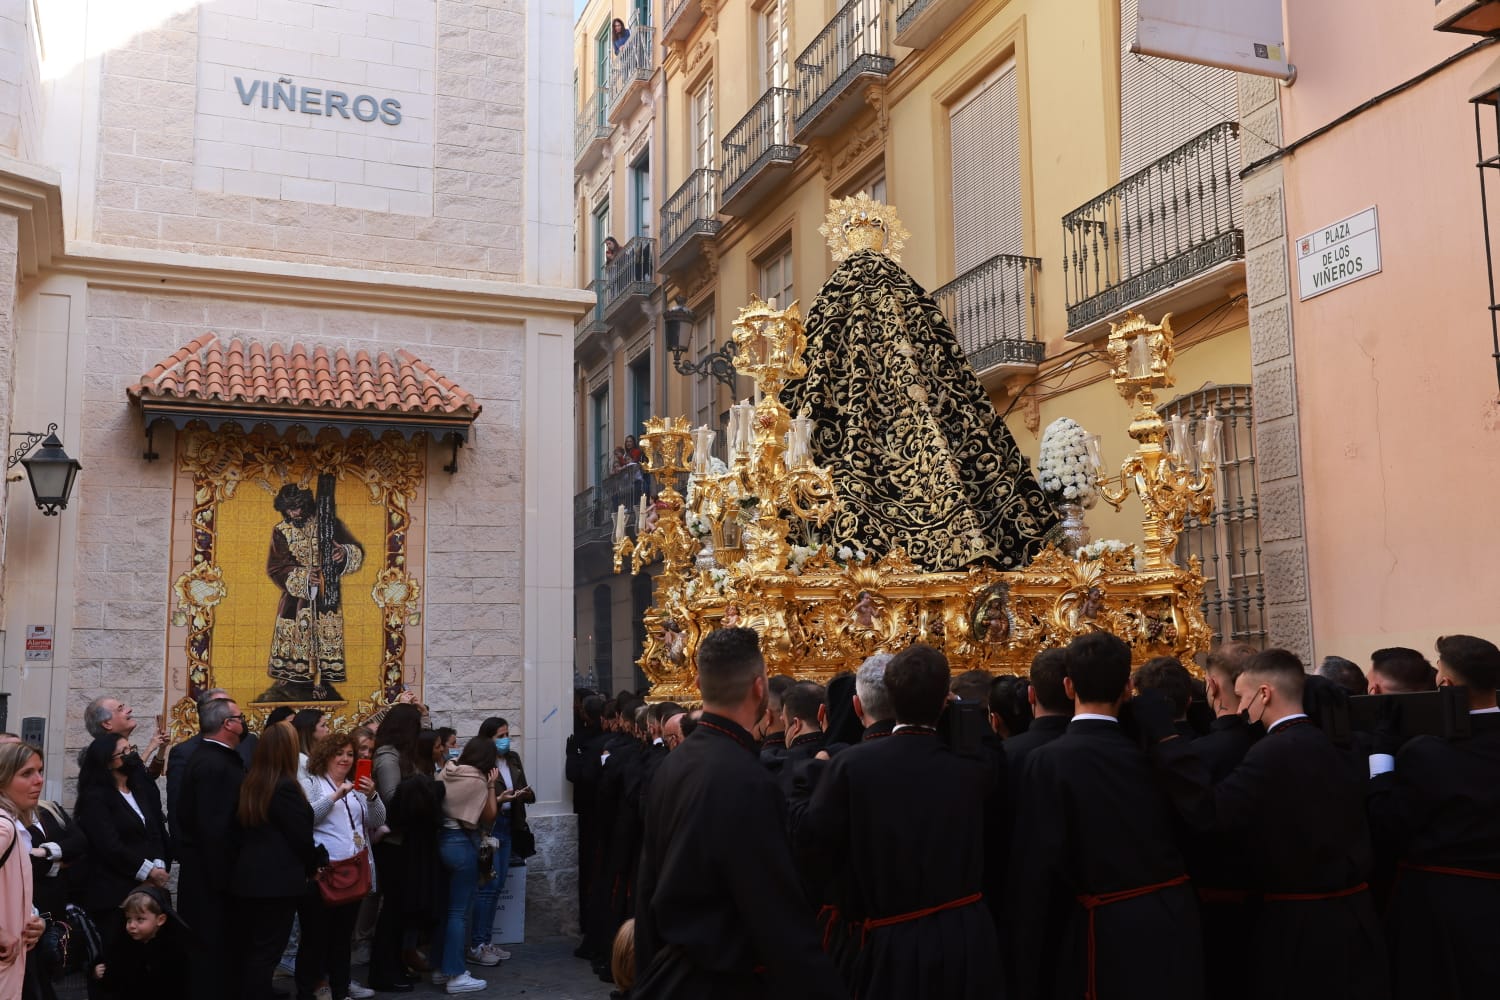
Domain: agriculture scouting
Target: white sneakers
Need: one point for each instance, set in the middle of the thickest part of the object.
(359, 991)
(464, 983)
(483, 955)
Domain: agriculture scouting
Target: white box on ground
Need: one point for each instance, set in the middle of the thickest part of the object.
(510, 912)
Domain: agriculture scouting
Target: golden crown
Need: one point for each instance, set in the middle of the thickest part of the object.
(862, 223)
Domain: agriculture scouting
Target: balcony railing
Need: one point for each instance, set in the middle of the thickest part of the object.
(854, 45)
(921, 22)
(692, 210)
(594, 508)
(1166, 224)
(682, 17)
(994, 312)
(592, 124)
(633, 65)
(762, 136)
(632, 273)
(588, 332)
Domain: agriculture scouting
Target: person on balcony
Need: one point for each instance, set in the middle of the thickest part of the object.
(618, 34)
(611, 245)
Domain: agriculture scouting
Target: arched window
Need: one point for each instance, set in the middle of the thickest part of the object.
(1228, 540)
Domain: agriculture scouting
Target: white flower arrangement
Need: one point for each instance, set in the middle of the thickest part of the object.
(718, 578)
(844, 555)
(1064, 470)
(799, 555)
(697, 526)
(1097, 550)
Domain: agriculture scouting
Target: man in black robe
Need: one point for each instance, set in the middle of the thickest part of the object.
(1436, 807)
(582, 769)
(204, 823)
(719, 910)
(1051, 708)
(770, 731)
(617, 844)
(1297, 803)
(804, 706)
(911, 876)
(1095, 864)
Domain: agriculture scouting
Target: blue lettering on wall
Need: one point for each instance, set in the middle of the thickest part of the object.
(316, 101)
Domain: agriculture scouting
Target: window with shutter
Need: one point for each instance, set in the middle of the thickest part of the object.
(986, 138)
(1163, 102)
(705, 145)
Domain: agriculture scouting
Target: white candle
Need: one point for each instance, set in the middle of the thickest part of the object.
(620, 524)
(1208, 446)
(640, 515)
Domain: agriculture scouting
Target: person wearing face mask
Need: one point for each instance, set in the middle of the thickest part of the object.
(513, 793)
(1296, 802)
(119, 811)
(447, 739)
(719, 909)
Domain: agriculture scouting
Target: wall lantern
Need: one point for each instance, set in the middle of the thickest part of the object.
(719, 364)
(50, 469)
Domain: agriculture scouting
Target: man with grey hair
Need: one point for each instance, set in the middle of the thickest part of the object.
(110, 715)
(872, 702)
(177, 760)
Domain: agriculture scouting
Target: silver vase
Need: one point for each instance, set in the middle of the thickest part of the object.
(1071, 533)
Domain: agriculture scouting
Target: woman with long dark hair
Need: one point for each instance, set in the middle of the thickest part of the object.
(512, 792)
(277, 856)
(311, 726)
(345, 814)
(468, 805)
(119, 811)
(618, 34)
(394, 763)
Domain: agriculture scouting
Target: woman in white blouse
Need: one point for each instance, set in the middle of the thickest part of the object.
(345, 814)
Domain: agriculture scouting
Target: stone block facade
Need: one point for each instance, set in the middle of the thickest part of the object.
(190, 160)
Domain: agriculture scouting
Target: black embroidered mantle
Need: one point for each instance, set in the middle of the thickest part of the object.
(919, 456)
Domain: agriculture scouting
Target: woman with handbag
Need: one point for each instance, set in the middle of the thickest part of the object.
(345, 813)
(276, 857)
(468, 804)
(20, 789)
(58, 852)
(513, 793)
(119, 811)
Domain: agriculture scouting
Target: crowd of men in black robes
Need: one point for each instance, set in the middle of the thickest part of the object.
(1100, 833)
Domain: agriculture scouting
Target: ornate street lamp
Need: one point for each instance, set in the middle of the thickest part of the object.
(50, 469)
(719, 364)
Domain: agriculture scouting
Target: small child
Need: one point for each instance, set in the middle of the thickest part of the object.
(148, 962)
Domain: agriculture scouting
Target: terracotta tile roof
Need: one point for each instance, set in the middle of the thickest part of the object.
(256, 376)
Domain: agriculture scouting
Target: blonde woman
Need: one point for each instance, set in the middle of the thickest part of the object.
(20, 790)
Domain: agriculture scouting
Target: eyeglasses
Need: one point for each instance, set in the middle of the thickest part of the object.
(123, 753)
(236, 718)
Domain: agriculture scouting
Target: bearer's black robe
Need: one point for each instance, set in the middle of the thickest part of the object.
(720, 914)
(1091, 820)
(1297, 802)
(903, 818)
(1440, 808)
(611, 867)
(1043, 730)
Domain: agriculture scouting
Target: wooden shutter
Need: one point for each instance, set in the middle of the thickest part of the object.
(1158, 109)
(986, 137)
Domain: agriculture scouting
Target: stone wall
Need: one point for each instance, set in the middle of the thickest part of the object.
(9, 245)
(20, 81)
(176, 173)
(552, 877)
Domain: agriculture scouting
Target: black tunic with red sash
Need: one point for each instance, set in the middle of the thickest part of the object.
(1296, 802)
(720, 914)
(1439, 814)
(900, 821)
(1096, 873)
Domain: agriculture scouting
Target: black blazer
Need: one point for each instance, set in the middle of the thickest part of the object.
(177, 767)
(204, 813)
(276, 858)
(119, 841)
(518, 779)
(54, 890)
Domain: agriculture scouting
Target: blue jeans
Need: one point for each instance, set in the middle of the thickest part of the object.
(459, 851)
(488, 895)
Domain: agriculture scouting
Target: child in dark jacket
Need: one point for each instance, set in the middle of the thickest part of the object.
(149, 961)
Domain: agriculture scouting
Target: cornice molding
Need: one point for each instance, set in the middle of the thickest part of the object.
(33, 195)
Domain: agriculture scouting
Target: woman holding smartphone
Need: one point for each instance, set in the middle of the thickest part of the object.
(513, 795)
(346, 811)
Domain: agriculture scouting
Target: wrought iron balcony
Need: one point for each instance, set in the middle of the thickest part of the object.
(591, 333)
(758, 152)
(690, 218)
(1169, 228)
(921, 22)
(993, 310)
(834, 72)
(682, 17)
(591, 130)
(634, 64)
(629, 280)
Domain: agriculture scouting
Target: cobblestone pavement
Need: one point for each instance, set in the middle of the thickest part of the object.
(541, 969)
(544, 968)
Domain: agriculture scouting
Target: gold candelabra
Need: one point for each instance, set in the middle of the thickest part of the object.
(1172, 473)
(661, 531)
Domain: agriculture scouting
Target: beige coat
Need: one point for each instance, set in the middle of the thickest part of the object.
(15, 901)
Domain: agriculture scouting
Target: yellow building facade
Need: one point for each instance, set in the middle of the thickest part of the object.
(1050, 179)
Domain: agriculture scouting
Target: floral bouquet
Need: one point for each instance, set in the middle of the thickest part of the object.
(1065, 472)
